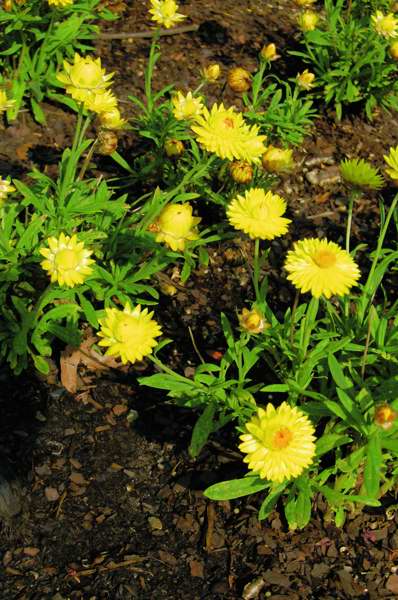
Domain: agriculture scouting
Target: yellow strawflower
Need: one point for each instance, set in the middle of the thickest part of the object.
(186, 107)
(392, 161)
(66, 260)
(5, 103)
(129, 333)
(321, 267)
(279, 443)
(211, 73)
(304, 2)
(173, 147)
(277, 160)
(269, 52)
(305, 80)
(385, 416)
(239, 80)
(259, 214)
(102, 102)
(253, 320)
(164, 13)
(308, 20)
(241, 171)
(111, 119)
(84, 77)
(5, 189)
(59, 3)
(175, 226)
(385, 25)
(224, 132)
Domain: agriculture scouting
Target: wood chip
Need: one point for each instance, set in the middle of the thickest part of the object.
(77, 478)
(119, 409)
(51, 494)
(196, 568)
(31, 551)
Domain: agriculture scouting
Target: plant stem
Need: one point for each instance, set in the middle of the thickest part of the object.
(293, 316)
(256, 269)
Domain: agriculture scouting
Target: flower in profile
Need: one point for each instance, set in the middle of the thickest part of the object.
(279, 442)
(268, 52)
(175, 226)
(259, 214)
(84, 78)
(239, 80)
(60, 3)
(321, 267)
(393, 50)
(361, 174)
(253, 320)
(112, 119)
(241, 171)
(129, 333)
(305, 80)
(5, 189)
(102, 102)
(186, 107)
(164, 13)
(211, 73)
(385, 25)
(67, 261)
(308, 20)
(224, 132)
(173, 147)
(385, 416)
(5, 103)
(277, 160)
(392, 160)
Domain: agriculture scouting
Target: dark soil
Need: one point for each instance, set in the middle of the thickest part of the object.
(112, 505)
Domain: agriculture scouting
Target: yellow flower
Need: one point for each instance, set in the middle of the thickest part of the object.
(385, 416)
(66, 260)
(175, 226)
(394, 50)
(308, 20)
(241, 171)
(111, 119)
(258, 214)
(5, 103)
(279, 442)
(102, 102)
(304, 2)
(305, 80)
(269, 52)
(253, 320)
(173, 147)
(212, 72)
(224, 132)
(130, 333)
(276, 160)
(5, 189)
(321, 267)
(385, 25)
(164, 12)
(84, 78)
(186, 107)
(239, 80)
(392, 161)
(59, 3)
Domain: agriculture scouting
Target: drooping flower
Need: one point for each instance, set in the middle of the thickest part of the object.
(112, 119)
(305, 80)
(361, 174)
(268, 52)
(277, 160)
(176, 225)
(107, 142)
(164, 13)
(321, 267)
(84, 77)
(60, 3)
(239, 80)
(5, 189)
(241, 171)
(279, 443)
(308, 20)
(385, 25)
(253, 320)
(259, 214)
(129, 333)
(186, 107)
(5, 103)
(67, 261)
(392, 160)
(211, 73)
(224, 132)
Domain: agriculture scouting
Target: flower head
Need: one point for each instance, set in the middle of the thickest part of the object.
(304, 2)
(129, 333)
(211, 73)
(175, 226)
(305, 80)
(385, 25)
(224, 132)
(5, 189)
(5, 103)
(60, 3)
(361, 174)
(112, 119)
(164, 13)
(277, 160)
(107, 142)
(241, 171)
(392, 160)
(308, 20)
(321, 267)
(102, 102)
(259, 214)
(385, 416)
(268, 52)
(66, 260)
(279, 442)
(84, 78)
(186, 107)
(173, 147)
(239, 80)
(253, 320)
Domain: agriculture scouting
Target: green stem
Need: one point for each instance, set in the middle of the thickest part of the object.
(256, 270)
(153, 57)
(293, 317)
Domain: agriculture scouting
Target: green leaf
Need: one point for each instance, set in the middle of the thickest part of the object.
(303, 503)
(204, 426)
(41, 364)
(235, 488)
(337, 373)
(374, 463)
(172, 383)
(329, 441)
(270, 501)
(277, 388)
(391, 445)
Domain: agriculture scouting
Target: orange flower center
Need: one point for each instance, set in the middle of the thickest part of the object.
(282, 438)
(228, 122)
(325, 259)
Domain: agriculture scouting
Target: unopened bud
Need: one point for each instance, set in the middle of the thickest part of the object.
(239, 80)
(269, 52)
(241, 171)
(173, 148)
(308, 20)
(277, 160)
(253, 321)
(107, 142)
(168, 289)
(212, 73)
(385, 416)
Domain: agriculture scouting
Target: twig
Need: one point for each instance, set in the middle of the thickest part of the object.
(136, 35)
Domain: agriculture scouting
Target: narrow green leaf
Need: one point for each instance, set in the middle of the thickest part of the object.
(337, 373)
(374, 462)
(235, 488)
(204, 426)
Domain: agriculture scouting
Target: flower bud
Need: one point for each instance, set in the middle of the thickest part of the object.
(305, 80)
(269, 52)
(253, 321)
(385, 416)
(239, 80)
(212, 72)
(308, 20)
(173, 148)
(277, 160)
(107, 142)
(304, 2)
(168, 289)
(394, 50)
(241, 171)
(7, 5)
